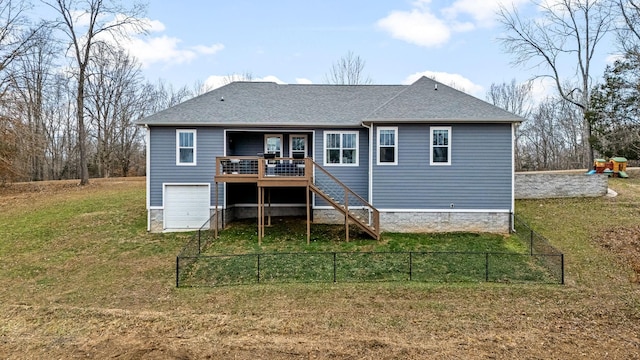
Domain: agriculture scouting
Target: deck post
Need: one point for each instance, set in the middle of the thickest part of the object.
(269, 206)
(215, 231)
(259, 209)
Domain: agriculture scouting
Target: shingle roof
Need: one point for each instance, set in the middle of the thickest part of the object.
(429, 100)
(270, 104)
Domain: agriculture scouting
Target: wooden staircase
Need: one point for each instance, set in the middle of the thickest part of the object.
(354, 208)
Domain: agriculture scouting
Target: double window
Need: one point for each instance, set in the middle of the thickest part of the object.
(440, 141)
(387, 146)
(185, 147)
(341, 148)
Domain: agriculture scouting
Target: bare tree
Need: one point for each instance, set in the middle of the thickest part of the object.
(629, 34)
(30, 80)
(98, 17)
(348, 71)
(515, 98)
(569, 31)
(16, 35)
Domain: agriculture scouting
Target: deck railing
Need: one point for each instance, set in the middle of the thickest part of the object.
(231, 167)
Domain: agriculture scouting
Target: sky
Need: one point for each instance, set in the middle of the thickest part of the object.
(297, 41)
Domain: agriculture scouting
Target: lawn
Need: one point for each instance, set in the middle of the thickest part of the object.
(284, 256)
(82, 278)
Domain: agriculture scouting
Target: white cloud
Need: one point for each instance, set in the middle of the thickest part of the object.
(429, 27)
(456, 81)
(613, 58)
(542, 88)
(208, 50)
(157, 47)
(303, 81)
(418, 26)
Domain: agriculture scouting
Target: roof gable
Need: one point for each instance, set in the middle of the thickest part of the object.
(429, 100)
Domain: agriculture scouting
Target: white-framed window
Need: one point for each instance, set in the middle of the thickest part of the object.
(341, 148)
(186, 147)
(440, 145)
(297, 145)
(273, 144)
(387, 146)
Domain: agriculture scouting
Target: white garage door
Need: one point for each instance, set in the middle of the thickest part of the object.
(185, 206)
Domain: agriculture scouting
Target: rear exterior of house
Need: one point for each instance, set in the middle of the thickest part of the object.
(425, 156)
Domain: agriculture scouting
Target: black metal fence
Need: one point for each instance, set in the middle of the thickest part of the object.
(542, 263)
(192, 250)
(538, 245)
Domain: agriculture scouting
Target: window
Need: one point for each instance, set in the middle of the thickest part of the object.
(185, 147)
(298, 145)
(341, 148)
(387, 146)
(440, 146)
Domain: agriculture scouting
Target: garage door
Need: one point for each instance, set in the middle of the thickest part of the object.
(185, 206)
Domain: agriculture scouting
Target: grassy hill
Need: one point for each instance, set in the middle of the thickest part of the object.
(82, 278)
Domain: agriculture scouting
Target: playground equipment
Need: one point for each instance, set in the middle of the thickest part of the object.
(616, 167)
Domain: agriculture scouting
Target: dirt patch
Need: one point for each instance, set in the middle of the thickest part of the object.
(624, 242)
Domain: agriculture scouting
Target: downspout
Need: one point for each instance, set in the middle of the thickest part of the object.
(370, 195)
(147, 139)
(513, 176)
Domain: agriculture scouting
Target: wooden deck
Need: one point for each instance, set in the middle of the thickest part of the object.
(294, 172)
(280, 172)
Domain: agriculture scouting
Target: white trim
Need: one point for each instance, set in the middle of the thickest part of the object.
(157, 207)
(431, 130)
(513, 176)
(446, 210)
(306, 143)
(195, 147)
(280, 136)
(395, 146)
(147, 140)
(341, 132)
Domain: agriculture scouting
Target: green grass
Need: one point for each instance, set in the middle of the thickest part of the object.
(284, 256)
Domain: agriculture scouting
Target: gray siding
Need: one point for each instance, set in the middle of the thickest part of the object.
(163, 167)
(479, 176)
(355, 177)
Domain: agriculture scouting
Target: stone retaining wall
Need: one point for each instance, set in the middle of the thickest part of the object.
(542, 185)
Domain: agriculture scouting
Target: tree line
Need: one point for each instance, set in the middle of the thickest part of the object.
(70, 95)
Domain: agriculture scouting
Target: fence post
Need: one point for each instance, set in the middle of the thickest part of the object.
(334, 267)
(531, 242)
(177, 271)
(562, 269)
(410, 264)
(486, 267)
(258, 268)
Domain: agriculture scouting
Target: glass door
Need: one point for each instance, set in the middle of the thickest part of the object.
(298, 146)
(273, 144)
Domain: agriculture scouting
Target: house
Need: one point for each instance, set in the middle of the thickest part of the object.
(405, 158)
